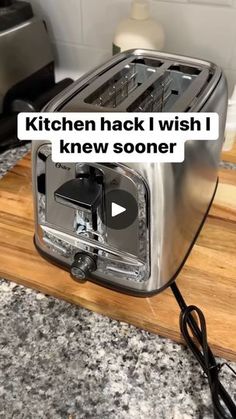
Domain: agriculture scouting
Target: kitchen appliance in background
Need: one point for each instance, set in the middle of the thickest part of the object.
(27, 79)
(142, 249)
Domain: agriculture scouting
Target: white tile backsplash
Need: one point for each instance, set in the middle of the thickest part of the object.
(100, 18)
(63, 18)
(213, 2)
(197, 30)
(232, 65)
(82, 30)
(231, 77)
(78, 58)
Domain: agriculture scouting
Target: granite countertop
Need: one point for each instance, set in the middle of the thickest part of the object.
(61, 361)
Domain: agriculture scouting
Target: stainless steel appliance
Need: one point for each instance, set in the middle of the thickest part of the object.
(141, 250)
(27, 80)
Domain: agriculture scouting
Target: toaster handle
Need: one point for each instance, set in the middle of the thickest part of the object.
(77, 193)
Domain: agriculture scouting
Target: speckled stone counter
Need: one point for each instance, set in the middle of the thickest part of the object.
(62, 361)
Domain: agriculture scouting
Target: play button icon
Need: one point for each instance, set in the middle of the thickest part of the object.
(121, 209)
(116, 209)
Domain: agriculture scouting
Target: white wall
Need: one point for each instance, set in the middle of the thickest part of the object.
(82, 30)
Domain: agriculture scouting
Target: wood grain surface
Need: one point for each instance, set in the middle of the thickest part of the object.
(230, 156)
(207, 280)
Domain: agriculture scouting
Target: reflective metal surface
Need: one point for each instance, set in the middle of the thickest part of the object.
(64, 229)
(73, 99)
(176, 202)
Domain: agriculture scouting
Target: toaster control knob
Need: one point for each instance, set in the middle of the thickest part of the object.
(82, 266)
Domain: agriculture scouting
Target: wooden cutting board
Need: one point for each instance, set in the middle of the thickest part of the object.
(207, 280)
(230, 156)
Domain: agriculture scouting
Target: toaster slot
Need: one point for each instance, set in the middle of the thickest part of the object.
(144, 81)
(121, 84)
(148, 85)
(154, 97)
(116, 89)
(190, 87)
(173, 91)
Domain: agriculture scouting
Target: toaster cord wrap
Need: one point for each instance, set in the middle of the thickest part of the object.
(204, 355)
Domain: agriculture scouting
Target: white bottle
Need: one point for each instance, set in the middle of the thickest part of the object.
(139, 30)
(230, 130)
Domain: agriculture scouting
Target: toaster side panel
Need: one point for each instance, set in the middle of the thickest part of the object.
(180, 197)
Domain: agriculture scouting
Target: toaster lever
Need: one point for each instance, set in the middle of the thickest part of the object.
(84, 193)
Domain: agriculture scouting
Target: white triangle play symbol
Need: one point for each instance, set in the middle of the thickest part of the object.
(116, 209)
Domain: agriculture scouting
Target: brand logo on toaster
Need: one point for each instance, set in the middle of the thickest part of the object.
(62, 166)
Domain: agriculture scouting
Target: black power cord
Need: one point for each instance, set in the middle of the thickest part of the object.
(223, 405)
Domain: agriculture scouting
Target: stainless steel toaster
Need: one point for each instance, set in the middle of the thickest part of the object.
(130, 226)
